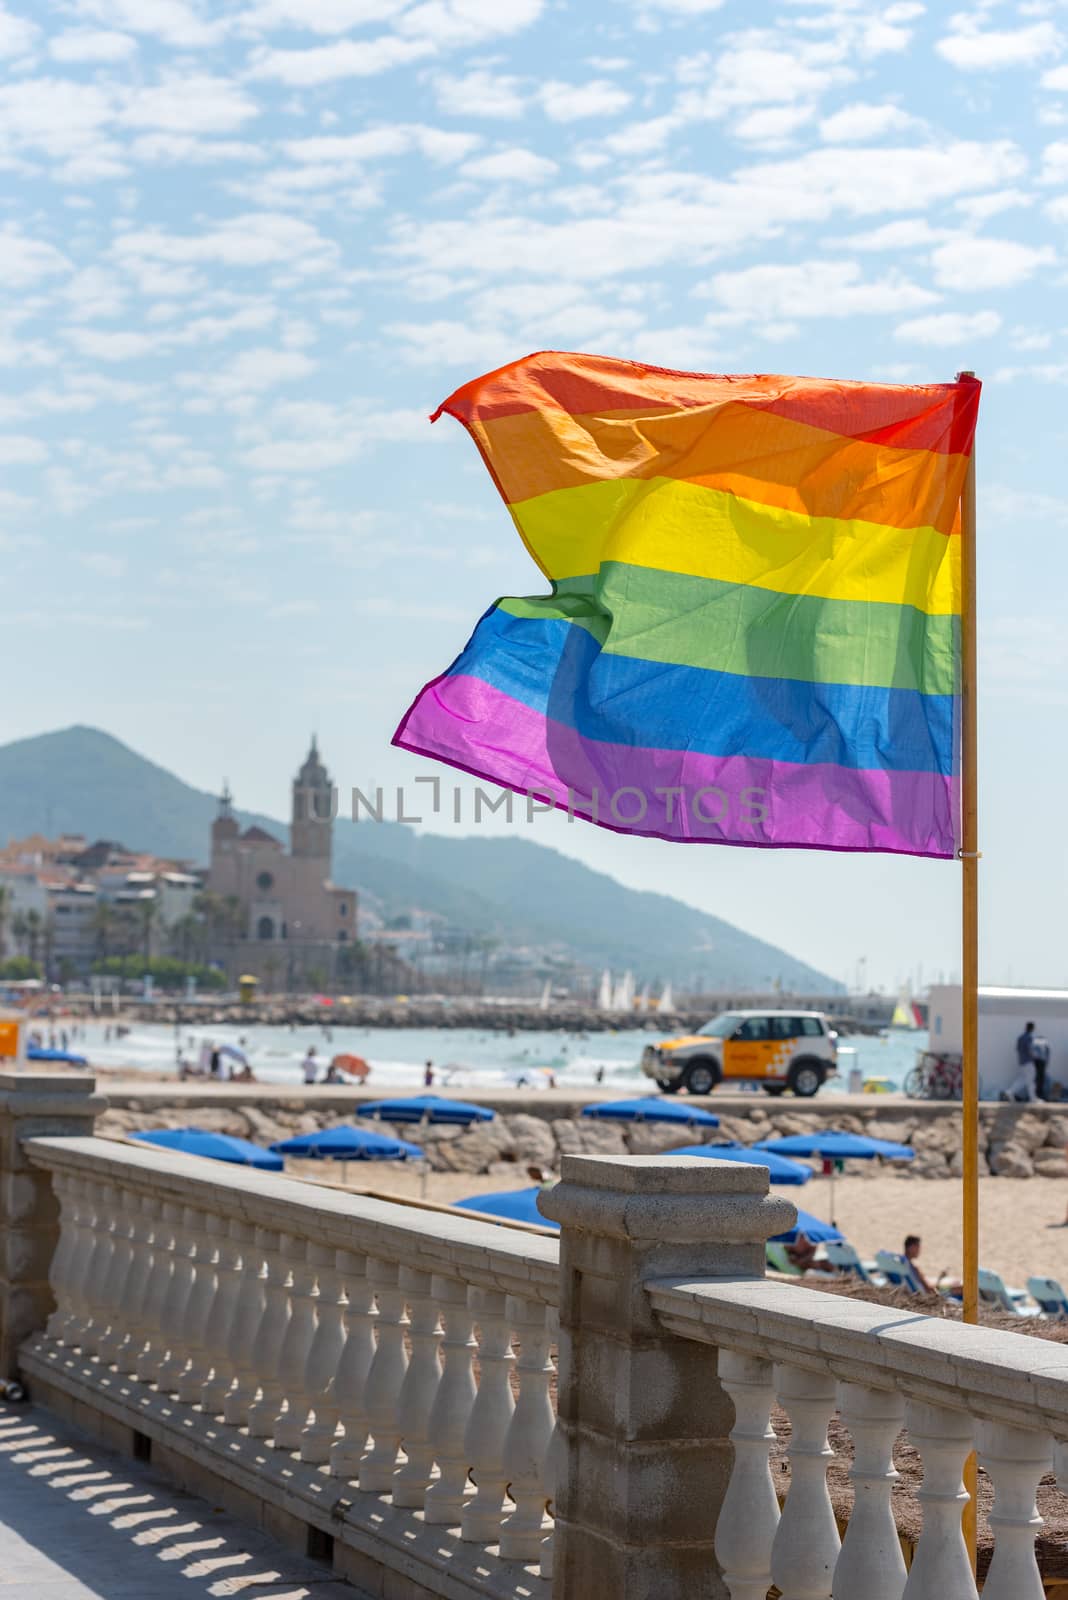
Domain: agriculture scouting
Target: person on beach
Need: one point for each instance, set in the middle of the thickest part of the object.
(802, 1252)
(428, 1075)
(912, 1255)
(311, 1065)
(1022, 1086)
(1040, 1057)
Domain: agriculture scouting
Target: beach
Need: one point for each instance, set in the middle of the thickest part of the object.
(874, 1213)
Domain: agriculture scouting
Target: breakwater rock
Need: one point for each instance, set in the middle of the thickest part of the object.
(1015, 1141)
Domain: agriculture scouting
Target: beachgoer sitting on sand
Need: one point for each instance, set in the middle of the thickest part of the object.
(802, 1252)
(912, 1255)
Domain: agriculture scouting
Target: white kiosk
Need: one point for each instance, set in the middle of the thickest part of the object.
(1003, 1014)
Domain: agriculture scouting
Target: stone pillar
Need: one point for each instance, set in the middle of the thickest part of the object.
(32, 1104)
(644, 1456)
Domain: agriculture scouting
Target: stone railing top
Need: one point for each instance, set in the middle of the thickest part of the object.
(989, 1373)
(459, 1245)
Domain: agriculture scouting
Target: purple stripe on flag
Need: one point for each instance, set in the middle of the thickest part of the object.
(678, 794)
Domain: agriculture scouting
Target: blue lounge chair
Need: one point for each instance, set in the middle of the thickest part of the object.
(897, 1270)
(842, 1255)
(993, 1293)
(1051, 1298)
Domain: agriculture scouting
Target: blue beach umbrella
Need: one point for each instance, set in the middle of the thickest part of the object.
(516, 1205)
(426, 1108)
(779, 1169)
(813, 1229)
(832, 1145)
(215, 1146)
(346, 1143)
(651, 1108)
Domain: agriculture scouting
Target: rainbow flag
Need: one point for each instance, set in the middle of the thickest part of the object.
(754, 626)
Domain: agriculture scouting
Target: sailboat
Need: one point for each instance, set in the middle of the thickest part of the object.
(667, 999)
(643, 998)
(546, 995)
(604, 993)
(906, 1013)
(623, 995)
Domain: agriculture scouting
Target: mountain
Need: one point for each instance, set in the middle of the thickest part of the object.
(81, 780)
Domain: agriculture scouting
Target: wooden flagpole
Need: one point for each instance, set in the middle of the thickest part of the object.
(969, 854)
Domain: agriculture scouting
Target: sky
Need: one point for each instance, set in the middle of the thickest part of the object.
(247, 248)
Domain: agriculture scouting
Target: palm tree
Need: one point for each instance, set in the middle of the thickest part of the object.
(5, 907)
(19, 930)
(147, 917)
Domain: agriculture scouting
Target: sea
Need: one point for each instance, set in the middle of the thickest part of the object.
(469, 1058)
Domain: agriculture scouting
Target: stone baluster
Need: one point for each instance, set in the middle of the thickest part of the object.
(1015, 1459)
(553, 1460)
(293, 1357)
(452, 1404)
(218, 1328)
(113, 1290)
(248, 1314)
(137, 1282)
(529, 1432)
(940, 1568)
(491, 1417)
(180, 1288)
(419, 1390)
(105, 1220)
(324, 1356)
(806, 1544)
(150, 1356)
(749, 1516)
(209, 1230)
(270, 1336)
(61, 1275)
(85, 1254)
(871, 1565)
(350, 1379)
(385, 1378)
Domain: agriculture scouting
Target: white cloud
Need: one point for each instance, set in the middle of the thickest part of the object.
(856, 124)
(569, 102)
(17, 35)
(24, 260)
(972, 48)
(479, 94)
(306, 69)
(307, 436)
(981, 206)
(92, 45)
(18, 450)
(979, 263)
(120, 345)
(255, 240)
(812, 289)
(319, 16)
(511, 166)
(771, 124)
(907, 234)
(759, 74)
(171, 21)
(251, 372)
(946, 328)
(188, 104)
(1055, 78)
(1055, 162)
(465, 22)
(679, 8)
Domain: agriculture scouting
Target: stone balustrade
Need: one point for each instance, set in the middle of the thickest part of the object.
(374, 1382)
(312, 1355)
(954, 1388)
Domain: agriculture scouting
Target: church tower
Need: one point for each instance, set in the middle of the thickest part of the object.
(225, 829)
(311, 827)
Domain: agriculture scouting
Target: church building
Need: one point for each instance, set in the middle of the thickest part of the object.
(288, 907)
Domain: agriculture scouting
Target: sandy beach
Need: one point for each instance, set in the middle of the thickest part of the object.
(874, 1213)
